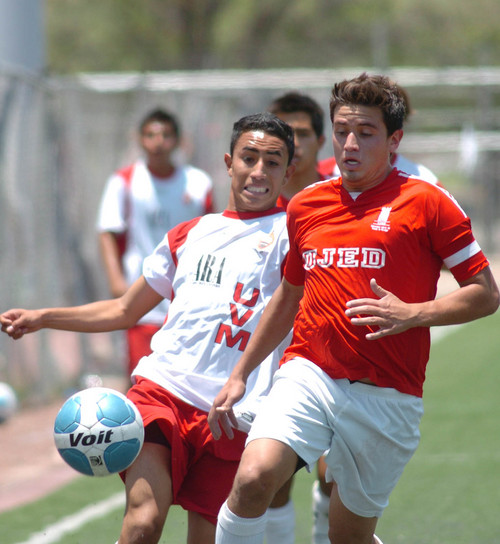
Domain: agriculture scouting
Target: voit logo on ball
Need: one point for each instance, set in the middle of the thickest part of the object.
(98, 431)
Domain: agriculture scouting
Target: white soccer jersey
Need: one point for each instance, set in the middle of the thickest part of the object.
(414, 169)
(146, 208)
(221, 270)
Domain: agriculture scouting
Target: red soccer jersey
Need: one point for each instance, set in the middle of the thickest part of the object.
(400, 233)
(327, 167)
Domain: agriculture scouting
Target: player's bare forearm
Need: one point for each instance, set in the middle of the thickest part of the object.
(95, 317)
(476, 298)
(111, 259)
(101, 316)
(275, 323)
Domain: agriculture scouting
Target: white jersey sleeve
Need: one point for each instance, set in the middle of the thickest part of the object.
(111, 215)
(414, 169)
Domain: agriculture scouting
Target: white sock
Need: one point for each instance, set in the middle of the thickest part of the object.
(377, 540)
(280, 526)
(231, 529)
(320, 507)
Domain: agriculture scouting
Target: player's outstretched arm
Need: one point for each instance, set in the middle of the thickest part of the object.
(111, 259)
(477, 297)
(101, 316)
(275, 323)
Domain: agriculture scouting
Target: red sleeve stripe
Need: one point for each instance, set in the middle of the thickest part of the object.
(177, 236)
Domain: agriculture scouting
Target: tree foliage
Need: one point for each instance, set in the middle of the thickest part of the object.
(148, 35)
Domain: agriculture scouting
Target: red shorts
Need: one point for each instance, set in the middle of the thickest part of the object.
(202, 468)
(139, 343)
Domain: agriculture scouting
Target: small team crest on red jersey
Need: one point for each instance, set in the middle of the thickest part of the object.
(382, 222)
(266, 241)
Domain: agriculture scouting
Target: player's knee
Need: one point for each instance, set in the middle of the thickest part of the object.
(143, 525)
(346, 532)
(256, 483)
(142, 532)
(348, 537)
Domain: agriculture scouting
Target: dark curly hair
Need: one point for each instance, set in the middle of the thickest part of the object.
(372, 90)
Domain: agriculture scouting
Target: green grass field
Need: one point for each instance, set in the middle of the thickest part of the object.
(449, 493)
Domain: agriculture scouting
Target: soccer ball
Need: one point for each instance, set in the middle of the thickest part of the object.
(98, 431)
(8, 402)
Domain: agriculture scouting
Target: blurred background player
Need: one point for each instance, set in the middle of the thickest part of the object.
(306, 117)
(223, 269)
(328, 167)
(321, 489)
(140, 203)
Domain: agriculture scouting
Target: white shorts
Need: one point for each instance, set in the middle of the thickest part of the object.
(369, 433)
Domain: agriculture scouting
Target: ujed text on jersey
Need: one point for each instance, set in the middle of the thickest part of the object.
(344, 257)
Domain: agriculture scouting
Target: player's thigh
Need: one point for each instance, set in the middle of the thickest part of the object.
(326, 487)
(296, 411)
(206, 485)
(200, 530)
(148, 481)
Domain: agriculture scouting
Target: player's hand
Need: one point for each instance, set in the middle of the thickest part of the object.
(387, 312)
(16, 323)
(221, 414)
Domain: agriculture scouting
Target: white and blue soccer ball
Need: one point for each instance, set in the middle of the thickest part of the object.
(8, 402)
(98, 431)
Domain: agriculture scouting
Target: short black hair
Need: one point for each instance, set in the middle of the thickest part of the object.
(378, 91)
(293, 102)
(160, 115)
(267, 123)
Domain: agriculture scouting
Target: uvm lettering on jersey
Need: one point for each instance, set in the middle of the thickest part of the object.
(241, 312)
(344, 257)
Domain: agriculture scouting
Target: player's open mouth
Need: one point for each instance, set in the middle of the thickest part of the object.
(257, 190)
(350, 163)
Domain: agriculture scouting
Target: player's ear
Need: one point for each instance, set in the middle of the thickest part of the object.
(289, 173)
(229, 163)
(395, 139)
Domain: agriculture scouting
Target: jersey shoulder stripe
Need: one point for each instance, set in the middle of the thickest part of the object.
(178, 234)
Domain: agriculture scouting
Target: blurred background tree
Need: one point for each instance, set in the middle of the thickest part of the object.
(156, 35)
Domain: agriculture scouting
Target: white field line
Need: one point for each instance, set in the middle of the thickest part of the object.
(56, 531)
